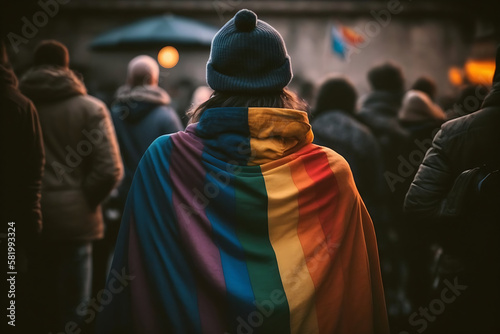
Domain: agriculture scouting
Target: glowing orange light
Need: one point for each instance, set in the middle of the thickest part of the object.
(480, 71)
(168, 57)
(455, 75)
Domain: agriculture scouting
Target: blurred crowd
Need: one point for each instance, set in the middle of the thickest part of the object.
(75, 158)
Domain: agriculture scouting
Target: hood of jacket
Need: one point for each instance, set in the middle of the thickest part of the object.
(418, 107)
(7, 78)
(44, 84)
(253, 136)
(136, 102)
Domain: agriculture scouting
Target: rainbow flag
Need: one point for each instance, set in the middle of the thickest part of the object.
(343, 39)
(241, 225)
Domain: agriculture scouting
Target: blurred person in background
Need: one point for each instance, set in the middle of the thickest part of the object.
(379, 111)
(141, 113)
(22, 153)
(82, 166)
(335, 126)
(425, 85)
(421, 118)
(470, 236)
(240, 223)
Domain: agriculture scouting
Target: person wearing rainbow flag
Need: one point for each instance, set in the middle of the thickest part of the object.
(240, 224)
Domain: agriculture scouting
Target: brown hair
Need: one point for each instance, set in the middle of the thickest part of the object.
(283, 99)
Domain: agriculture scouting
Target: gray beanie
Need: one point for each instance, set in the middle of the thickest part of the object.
(248, 56)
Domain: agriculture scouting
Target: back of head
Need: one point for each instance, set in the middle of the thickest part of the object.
(426, 85)
(143, 70)
(248, 56)
(386, 77)
(336, 93)
(51, 52)
(418, 107)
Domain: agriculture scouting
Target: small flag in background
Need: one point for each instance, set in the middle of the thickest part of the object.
(343, 38)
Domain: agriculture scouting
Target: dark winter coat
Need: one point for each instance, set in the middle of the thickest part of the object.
(140, 115)
(463, 143)
(379, 111)
(470, 241)
(354, 141)
(82, 157)
(21, 151)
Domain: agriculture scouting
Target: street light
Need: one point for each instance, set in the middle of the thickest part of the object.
(168, 57)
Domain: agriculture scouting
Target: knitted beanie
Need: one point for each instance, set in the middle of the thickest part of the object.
(51, 52)
(248, 56)
(143, 70)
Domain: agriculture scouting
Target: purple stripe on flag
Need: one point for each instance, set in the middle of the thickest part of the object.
(190, 202)
(143, 311)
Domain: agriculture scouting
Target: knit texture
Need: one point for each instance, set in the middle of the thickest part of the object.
(248, 55)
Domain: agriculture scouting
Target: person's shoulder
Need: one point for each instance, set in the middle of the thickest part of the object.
(162, 140)
(483, 117)
(338, 166)
(489, 116)
(166, 141)
(91, 100)
(90, 105)
(15, 98)
(160, 148)
(334, 159)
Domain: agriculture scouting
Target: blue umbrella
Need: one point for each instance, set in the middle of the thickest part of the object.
(156, 31)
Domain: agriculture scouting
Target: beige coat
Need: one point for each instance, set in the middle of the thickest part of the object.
(83, 162)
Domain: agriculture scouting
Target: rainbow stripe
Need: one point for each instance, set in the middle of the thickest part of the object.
(241, 225)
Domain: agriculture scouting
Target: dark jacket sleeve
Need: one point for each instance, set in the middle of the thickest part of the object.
(22, 166)
(433, 179)
(105, 165)
(37, 159)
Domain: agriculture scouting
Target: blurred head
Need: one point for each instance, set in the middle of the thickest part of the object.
(51, 52)
(248, 67)
(336, 93)
(248, 56)
(143, 70)
(427, 86)
(386, 77)
(418, 107)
